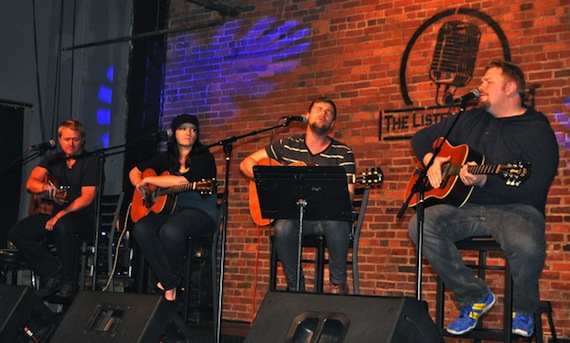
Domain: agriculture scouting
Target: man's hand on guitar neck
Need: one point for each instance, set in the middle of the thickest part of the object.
(436, 175)
(469, 179)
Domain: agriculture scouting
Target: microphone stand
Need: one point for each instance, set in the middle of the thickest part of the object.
(227, 145)
(26, 157)
(419, 188)
(102, 154)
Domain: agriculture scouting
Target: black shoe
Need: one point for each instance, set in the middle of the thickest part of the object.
(66, 291)
(341, 289)
(50, 286)
(302, 289)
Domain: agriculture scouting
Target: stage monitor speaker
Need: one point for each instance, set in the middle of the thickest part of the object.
(120, 318)
(319, 318)
(23, 316)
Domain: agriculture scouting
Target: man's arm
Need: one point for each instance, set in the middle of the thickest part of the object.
(85, 199)
(36, 182)
(246, 166)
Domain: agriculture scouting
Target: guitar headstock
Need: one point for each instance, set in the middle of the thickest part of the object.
(370, 177)
(515, 173)
(206, 186)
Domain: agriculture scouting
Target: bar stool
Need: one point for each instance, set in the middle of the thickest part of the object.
(318, 243)
(201, 251)
(483, 245)
(11, 262)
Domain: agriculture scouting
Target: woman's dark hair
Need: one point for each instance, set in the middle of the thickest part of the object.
(174, 153)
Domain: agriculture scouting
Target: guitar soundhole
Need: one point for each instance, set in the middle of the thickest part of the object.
(445, 168)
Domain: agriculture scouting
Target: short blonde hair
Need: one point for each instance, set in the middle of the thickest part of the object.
(72, 125)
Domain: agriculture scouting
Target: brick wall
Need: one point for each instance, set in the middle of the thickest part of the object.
(244, 74)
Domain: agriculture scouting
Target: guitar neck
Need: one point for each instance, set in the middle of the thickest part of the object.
(176, 189)
(485, 169)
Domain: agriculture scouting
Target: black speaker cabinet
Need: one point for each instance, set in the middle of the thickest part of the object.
(23, 316)
(312, 318)
(120, 317)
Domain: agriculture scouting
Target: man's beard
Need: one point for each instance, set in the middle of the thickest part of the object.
(320, 130)
(484, 105)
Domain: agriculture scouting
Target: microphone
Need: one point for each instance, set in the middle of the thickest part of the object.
(162, 134)
(49, 145)
(288, 119)
(474, 94)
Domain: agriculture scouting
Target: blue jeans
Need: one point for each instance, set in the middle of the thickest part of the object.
(287, 240)
(519, 229)
(163, 240)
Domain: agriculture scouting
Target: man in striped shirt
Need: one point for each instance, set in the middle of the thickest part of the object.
(314, 147)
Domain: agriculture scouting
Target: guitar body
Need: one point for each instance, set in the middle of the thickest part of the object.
(254, 207)
(141, 206)
(452, 191)
(369, 178)
(163, 200)
(38, 205)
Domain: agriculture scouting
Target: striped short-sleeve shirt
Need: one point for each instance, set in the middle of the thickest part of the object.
(294, 149)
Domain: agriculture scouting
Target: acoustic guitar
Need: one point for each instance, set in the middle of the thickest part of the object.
(44, 202)
(452, 190)
(163, 200)
(370, 178)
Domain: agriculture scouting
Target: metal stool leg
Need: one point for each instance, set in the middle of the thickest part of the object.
(545, 307)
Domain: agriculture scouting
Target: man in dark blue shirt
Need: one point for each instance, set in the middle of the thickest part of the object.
(503, 130)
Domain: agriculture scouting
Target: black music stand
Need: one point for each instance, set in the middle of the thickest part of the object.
(303, 193)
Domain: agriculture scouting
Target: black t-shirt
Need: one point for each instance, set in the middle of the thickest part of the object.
(82, 173)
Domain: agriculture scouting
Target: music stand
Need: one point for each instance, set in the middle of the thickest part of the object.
(309, 192)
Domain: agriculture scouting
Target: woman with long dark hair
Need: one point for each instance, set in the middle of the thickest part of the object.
(163, 237)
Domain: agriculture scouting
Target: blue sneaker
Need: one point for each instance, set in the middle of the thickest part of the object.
(470, 314)
(523, 324)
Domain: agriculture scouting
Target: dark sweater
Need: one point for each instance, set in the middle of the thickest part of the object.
(526, 138)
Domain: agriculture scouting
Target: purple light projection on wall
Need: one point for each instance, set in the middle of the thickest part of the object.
(564, 120)
(234, 63)
(105, 94)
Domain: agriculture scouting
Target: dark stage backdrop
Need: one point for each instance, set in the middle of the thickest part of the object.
(11, 143)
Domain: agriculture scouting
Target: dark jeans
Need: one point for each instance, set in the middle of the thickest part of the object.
(28, 236)
(519, 229)
(163, 240)
(286, 245)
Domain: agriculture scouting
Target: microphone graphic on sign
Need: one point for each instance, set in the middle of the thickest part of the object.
(454, 57)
